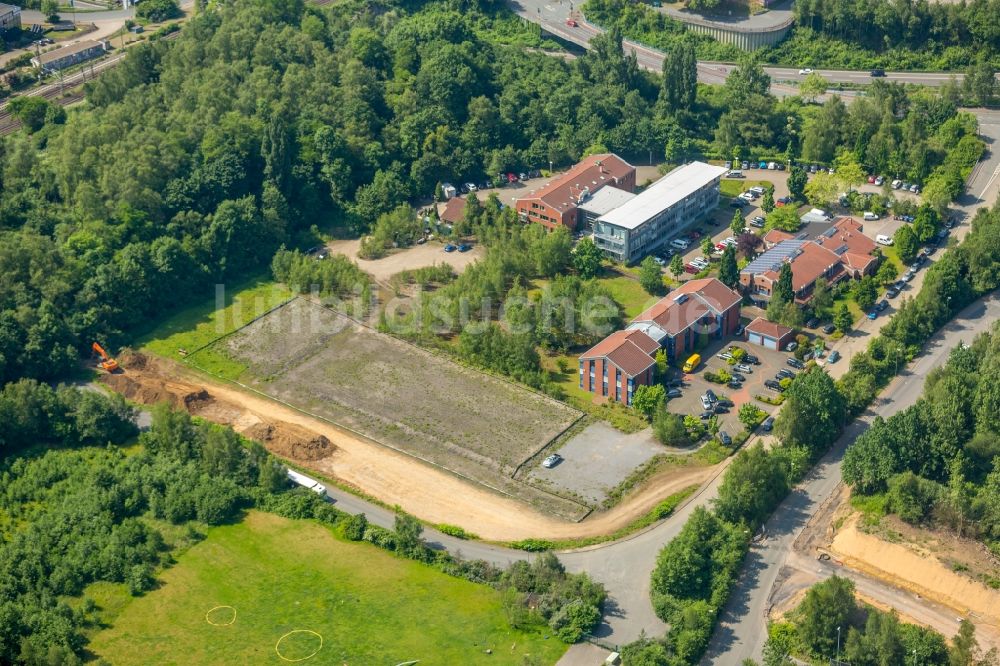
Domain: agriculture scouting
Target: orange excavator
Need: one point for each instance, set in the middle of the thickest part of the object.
(108, 363)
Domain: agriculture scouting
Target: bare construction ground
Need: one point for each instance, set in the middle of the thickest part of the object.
(469, 423)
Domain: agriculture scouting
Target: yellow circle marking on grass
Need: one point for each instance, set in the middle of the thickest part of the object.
(220, 624)
(299, 631)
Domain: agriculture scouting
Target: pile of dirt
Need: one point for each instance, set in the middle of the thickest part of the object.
(133, 360)
(291, 441)
(151, 391)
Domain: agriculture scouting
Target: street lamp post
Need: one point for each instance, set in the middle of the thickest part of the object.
(838, 645)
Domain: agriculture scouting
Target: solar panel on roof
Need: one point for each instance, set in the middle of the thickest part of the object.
(829, 233)
(773, 258)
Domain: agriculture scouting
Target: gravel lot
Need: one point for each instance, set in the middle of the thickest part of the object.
(597, 459)
(475, 425)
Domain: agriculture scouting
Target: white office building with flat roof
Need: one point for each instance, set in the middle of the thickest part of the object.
(646, 222)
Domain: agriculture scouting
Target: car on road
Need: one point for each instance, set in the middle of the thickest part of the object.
(805, 70)
(725, 438)
(674, 393)
(829, 328)
(795, 363)
(833, 357)
(743, 367)
(571, 23)
(552, 461)
(877, 72)
(449, 248)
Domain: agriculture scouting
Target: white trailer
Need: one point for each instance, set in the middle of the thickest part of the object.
(306, 482)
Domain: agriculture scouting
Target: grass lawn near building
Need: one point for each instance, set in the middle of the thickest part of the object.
(268, 576)
(732, 187)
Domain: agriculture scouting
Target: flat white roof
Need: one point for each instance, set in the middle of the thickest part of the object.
(673, 188)
(606, 200)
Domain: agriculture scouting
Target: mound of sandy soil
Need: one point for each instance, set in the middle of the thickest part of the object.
(291, 441)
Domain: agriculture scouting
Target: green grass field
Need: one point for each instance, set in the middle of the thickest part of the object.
(200, 324)
(629, 294)
(731, 187)
(280, 575)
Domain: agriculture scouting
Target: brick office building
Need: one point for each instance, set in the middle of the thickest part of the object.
(556, 203)
(617, 365)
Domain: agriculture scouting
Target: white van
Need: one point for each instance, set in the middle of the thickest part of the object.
(870, 216)
(882, 239)
(679, 244)
(896, 184)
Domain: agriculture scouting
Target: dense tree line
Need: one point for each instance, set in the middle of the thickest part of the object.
(917, 25)
(867, 636)
(936, 460)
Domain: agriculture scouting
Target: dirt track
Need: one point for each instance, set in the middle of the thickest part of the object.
(393, 478)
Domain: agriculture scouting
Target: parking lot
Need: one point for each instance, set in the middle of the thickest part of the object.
(695, 384)
(597, 459)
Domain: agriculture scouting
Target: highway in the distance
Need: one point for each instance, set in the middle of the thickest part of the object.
(553, 14)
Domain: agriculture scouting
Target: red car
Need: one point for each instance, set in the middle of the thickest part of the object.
(694, 235)
(511, 178)
(871, 179)
(690, 268)
(571, 23)
(721, 247)
(779, 204)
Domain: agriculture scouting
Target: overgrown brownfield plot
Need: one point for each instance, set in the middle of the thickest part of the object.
(470, 423)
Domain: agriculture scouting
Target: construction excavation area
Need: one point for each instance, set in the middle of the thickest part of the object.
(353, 461)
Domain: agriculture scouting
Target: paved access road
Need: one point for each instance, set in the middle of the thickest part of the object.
(553, 14)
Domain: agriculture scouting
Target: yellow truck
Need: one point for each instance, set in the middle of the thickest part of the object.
(692, 362)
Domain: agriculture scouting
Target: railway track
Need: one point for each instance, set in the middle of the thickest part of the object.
(64, 92)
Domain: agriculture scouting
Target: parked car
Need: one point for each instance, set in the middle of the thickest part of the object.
(710, 394)
(873, 315)
(725, 356)
(464, 247)
(721, 409)
(737, 203)
(882, 305)
(829, 328)
(706, 415)
(773, 385)
(892, 292)
(784, 200)
(909, 275)
(745, 165)
(950, 223)
(571, 23)
(737, 377)
(812, 323)
(743, 367)
(674, 393)
(879, 180)
(725, 438)
(735, 385)
(691, 268)
(751, 359)
(660, 260)
(523, 176)
(896, 184)
(757, 222)
(784, 373)
(833, 357)
(552, 461)
(449, 248)
(795, 363)
(471, 187)
(767, 424)
(791, 346)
